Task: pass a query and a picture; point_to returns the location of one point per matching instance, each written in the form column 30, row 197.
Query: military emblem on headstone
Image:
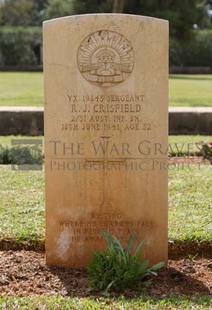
column 105, row 58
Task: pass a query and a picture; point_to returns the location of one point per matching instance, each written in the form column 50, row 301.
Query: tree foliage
column 19, row 46
column 118, row 6
column 182, row 15
column 92, row 6
column 21, row 12
column 58, row 8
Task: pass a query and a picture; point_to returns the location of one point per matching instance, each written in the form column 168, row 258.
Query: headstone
column 106, row 132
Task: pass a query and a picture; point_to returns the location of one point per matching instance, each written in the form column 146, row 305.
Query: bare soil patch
column 24, row 273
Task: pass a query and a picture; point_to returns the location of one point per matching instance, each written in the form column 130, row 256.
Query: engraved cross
column 105, row 200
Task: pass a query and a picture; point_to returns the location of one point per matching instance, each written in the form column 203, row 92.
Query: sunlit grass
column 21, row 89
column 190, row 203
column 26, row 89
column 105, row 303
column 190, row 90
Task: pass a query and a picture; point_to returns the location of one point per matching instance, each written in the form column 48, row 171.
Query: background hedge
column 196, row 52
column 21, row 47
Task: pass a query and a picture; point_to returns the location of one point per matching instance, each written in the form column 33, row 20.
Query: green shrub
column 206, row 149
column 196, row 52
column 19, row 46
column 4, row 155
column 116, row 268
column 19, row 156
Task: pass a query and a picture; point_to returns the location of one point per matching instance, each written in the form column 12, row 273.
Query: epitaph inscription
column 105, row 58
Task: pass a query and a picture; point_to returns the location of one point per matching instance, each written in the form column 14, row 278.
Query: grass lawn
column 26, row 89
column 190, row 203
column 75, row 303
column 21, row 89
column 22, row 219
column 190, row 90
column 6, row 140
column 190, row 200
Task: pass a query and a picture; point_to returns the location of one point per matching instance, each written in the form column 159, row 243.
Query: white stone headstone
column 106, row 133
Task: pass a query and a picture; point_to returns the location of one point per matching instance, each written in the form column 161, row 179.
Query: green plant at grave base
column 116, row 268
column 19, row 156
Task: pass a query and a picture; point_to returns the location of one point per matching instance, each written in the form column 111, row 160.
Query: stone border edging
column 190, row 121
column 190, row 70
column 30, row 121
column 21, row 121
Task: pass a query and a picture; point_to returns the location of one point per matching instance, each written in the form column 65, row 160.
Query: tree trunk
column 118, row 6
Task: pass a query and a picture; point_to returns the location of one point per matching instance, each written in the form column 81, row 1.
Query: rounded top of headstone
column 107, row 15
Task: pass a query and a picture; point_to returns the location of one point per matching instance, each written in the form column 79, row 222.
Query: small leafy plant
column 206, row 150
column 116, row 268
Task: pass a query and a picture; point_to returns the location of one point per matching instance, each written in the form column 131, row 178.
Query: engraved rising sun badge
column 105, row 58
